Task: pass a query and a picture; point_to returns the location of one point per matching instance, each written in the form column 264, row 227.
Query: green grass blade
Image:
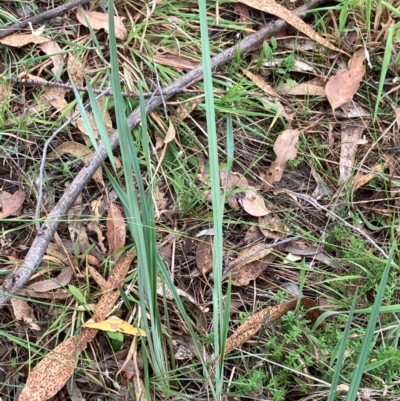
column 340, row 358
column 139, row 215
column 217, row 203
column 385, row 66
column 100, row 124
column 360, row 366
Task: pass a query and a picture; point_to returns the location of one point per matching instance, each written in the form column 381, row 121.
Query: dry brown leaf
column 116, row 230
column 178, row 62
column 248, row 255
column 75, row 69
column 80, row 151
column 271, row 7
column 11, row 204
column 93, row 226
column 52, row 372
column 23, row 312
column 98, row 278
column 285, row 149
column 204, row 255
column 53, row 49
column 55, row 96
column 350, row 139
column 73, row 148
column 341, row 87
column 52, row 284
column 253, row 204
column 99, row 20
column 20, row 40
column 171, row 133
column 272, row 227
column 302, row 89
column 360, row 179
column 242, row 277
column 252, row 235
column 266, row 317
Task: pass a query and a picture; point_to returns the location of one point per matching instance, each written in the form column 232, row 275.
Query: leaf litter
column 271, row 216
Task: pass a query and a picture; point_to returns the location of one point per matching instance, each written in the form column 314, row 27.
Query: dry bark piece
column 11, row 204
column 350, row 139
column 266, row 317
column 285, row 149
column 116, row 230
column 341, row 87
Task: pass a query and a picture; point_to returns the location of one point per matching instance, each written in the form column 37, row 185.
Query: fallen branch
column 37, row 19
column 17, row 279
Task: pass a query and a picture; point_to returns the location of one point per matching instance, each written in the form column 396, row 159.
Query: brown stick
column 23, row 273
column 37, row 19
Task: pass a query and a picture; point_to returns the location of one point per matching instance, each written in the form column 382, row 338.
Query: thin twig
column 17, row 279
column 37, row 19
column 59, row 85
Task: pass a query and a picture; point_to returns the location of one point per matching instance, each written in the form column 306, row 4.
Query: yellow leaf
column 115, row 324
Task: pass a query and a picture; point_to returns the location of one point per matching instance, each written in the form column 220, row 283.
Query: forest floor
column 256, row 210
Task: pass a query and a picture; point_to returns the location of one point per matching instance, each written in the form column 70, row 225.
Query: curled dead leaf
column 285, row 150
column 253, row 204
column 53, row 49
column 11, row 204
